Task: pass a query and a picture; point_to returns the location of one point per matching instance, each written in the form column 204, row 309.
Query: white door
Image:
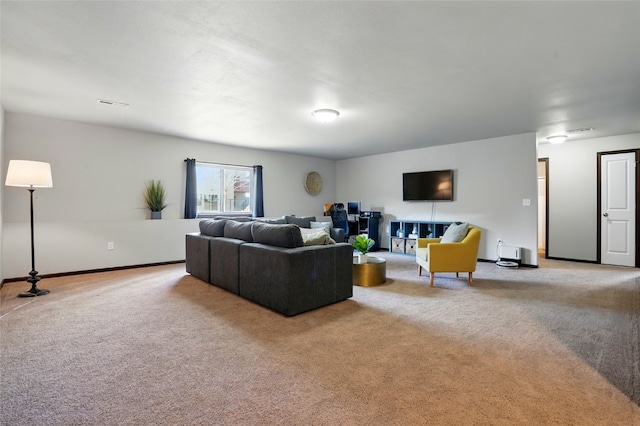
column 618, row 193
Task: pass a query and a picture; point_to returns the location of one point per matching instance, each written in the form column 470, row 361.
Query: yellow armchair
column 435, row 256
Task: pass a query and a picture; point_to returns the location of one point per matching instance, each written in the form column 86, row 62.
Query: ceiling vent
column 584, row 129
column 112, row 103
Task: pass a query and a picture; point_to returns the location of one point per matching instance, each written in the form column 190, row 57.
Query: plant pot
column 362, row 258
column 156, row 215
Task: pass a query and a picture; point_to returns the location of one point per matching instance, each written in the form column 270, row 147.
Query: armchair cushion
column 455, row 233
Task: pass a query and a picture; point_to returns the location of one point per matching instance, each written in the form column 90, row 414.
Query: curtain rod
column 220, row 164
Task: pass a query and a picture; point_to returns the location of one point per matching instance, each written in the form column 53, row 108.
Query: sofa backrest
column 278, row 235
column 238, row 230
column 212, row 228
column 301, row 221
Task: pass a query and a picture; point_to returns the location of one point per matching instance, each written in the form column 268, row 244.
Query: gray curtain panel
column 257, row 203
column 190, row 197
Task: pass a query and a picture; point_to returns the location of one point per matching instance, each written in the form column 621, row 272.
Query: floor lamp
column 30, row 175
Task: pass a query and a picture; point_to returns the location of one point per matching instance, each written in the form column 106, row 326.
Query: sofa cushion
column 302, row 221
column 287, row 236
column 213, row 228
column 238, row 230
column 317, row 237
column 455, row 233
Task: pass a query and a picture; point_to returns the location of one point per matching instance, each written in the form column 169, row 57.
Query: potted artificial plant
column 363, row 244
column 155, row 197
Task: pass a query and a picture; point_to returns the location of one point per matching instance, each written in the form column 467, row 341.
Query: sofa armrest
column 424, row 242
column 296, row 280
column 197, row 255
column 337, row 234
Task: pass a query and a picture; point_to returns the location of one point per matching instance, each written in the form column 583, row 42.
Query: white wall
column 573, row 178
column 98, row 177
column 491, row 178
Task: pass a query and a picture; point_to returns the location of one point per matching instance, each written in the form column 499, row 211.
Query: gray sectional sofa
column 269, row 264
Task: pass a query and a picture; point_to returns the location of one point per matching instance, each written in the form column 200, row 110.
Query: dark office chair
column 339, row 218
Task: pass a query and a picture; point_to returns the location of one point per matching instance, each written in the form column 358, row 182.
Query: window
column 223, row 189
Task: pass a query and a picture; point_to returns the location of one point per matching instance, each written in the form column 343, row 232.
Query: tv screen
column 436, row 185
column 353, row 207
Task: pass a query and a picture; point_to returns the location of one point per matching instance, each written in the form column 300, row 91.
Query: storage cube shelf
column 400, row 230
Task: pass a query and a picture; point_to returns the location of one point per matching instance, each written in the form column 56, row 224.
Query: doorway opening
column 543, row 207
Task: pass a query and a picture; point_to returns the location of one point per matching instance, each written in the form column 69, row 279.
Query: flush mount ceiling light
column 557, row 138
column 325, row 115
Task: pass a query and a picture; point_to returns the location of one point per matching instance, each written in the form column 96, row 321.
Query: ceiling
column 403, row 75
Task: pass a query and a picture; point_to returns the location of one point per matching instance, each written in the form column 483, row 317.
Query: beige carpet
column 557, row 345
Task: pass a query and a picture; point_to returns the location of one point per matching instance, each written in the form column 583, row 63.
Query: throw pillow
column 455, row 233
column 238, row 230
column 322, row 225
column 302, row 221
column 317, row 238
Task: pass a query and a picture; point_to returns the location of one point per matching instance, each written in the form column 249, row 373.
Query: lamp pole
column 34, row 291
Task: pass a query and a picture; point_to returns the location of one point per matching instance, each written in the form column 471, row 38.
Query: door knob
column 605, row 214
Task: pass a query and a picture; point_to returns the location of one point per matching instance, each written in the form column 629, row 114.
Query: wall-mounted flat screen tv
column 435, row 185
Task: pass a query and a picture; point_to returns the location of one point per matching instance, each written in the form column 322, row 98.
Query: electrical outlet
column 526, row 202
column 110, row 245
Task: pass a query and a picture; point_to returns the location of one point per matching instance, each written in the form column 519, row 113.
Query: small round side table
column 370, row 274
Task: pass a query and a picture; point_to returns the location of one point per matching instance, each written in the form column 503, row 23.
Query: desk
column 370, row 274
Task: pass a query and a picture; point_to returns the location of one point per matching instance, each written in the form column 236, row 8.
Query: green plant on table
column 363, row 243
column 155, row 195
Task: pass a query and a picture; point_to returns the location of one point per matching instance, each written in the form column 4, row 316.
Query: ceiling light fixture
column 557, row 138
column 325, row 115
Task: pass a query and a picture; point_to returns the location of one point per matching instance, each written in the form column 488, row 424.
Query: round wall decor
column 313, row 183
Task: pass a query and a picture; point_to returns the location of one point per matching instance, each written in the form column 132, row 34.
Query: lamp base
column 34, row 290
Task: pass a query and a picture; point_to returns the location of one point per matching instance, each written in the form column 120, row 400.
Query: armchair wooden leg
column 471, row 279
column 457, row 274
column 431, row 279
column 419, row 270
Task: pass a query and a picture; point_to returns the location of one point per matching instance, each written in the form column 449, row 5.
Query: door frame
column 545, row 160
column 599, row 202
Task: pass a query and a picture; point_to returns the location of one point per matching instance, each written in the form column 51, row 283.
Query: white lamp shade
column 29, row 174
